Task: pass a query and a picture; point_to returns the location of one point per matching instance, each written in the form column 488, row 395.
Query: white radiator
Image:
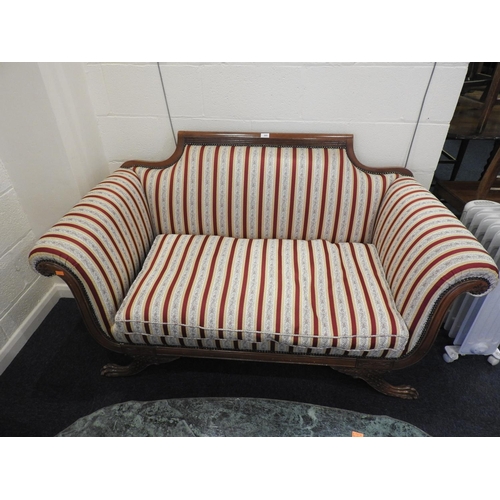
column 474, row 322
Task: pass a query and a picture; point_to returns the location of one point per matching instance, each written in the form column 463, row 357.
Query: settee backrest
column 261, row 191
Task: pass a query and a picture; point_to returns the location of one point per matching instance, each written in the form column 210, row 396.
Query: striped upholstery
column 265, row 192
column 425, row 251
column 263, row 248
column 103, row 241
column 269, row 295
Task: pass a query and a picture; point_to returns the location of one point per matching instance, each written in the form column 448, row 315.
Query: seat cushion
column 262, row 294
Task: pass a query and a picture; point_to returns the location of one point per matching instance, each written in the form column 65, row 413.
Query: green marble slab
column 233, row 417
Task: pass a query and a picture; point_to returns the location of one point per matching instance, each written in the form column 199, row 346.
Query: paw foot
column 136, row 366
column 375, row 380
column 400, row 391
column 114, row 370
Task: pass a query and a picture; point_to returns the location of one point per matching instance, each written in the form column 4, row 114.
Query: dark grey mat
column 55, row 380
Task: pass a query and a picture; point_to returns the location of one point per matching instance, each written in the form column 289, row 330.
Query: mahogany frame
column 368, row 369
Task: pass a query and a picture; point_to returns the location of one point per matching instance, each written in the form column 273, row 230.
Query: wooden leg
column 489, row 175
column 494, row 149
column 375, row 380
column 137, row 365
column 460, row 156
column 490, row 100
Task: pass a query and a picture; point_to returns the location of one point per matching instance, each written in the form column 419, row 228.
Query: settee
column 269, row 247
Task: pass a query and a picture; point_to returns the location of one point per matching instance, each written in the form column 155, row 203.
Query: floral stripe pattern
column 425, row 251
column 267, row 294
column 273, row 249
column 265, row 192
column 103, row 241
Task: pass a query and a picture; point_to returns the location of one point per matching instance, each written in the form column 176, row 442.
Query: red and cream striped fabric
column 264, row 294
column 425, row 250
column 265, row 192
column 103, row 241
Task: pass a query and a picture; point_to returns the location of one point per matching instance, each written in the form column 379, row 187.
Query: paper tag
column 264, row 134
column 59, row 273
column 357, row 434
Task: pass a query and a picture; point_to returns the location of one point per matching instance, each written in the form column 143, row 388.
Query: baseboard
column 31, row 323
column 63, row 290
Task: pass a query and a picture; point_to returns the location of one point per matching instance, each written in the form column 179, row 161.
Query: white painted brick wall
column 131, row 113
column 15, row 274
column 49, row 139
column 249, row 92
column 140, row 80
column 22, row 308
column 50, row 156
column 20, row 286
column 5, row 183
column 13, row 223
column 378, row 102
column 135, row 137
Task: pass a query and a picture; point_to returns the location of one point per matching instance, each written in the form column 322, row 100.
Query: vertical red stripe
column 353, row 204
column 323, row 194
column 279, row 290
column 297, row 292
column 244, row 211
column 200, row 181
column 260, row 194
column 208, row 284
column 369, row 303
column 277, row 193
column 292, row 193
column 168, row 295
column 156, row 199
column 330, row 291
column 152, row 216
column 260, row 300
column 186, row 180
column 225, row 288
column 350, row 301
column 368, row 207
column 340, row 187
column 189, row 288
column 215, row 191
column 385, row 297
column 312, row 274
column 152, row 291
column 243, row 290
column 308, row 169
column 230, row 231
column 155, row 215
column 171, row 214
column 383, row 192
